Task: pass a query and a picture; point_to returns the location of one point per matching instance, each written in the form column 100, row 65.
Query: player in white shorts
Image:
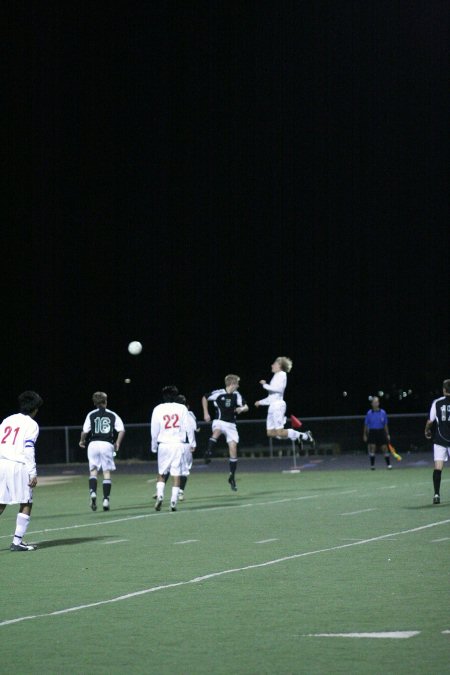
column 100, row 427
column 438, row 429
column 228, row 403
column 188, row 449
column 18, row 474
column 276, row 414
column 169, row 430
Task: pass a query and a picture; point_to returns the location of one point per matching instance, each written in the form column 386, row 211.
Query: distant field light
column 127, row 380
column 344, row 394
column 381, row 393
column 370, row 398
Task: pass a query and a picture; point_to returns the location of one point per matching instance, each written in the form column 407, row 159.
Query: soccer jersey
column 18, row 434
column 225, row 404
column 170, row 424
column 102, row 423
column 440, row 414
column 276, row 388
column 376, row 419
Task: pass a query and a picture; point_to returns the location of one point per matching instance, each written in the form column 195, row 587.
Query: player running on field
column 276, row 414
column 170, row 428
column 438, row 428
column 18, row 474
column 228, row 403
column 101, row 425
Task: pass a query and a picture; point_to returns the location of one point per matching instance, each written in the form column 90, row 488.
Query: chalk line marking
column 355, row 513
column 387, row 487
column 116, row 541
column 435, row 541
column 187, row 541
column 104, row 523
column 265, row 541
column 396, row 634
column 216, row 575
column 446, row 632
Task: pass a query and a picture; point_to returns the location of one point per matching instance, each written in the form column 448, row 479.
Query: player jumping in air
column 276, row 414
column 228, row 403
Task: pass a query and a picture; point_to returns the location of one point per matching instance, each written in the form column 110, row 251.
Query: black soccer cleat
column 173, row 506
column 207, row 457
column 93, row 502
column 158, row 504
column 232, row 482
column 22, row 547
column 436, row 499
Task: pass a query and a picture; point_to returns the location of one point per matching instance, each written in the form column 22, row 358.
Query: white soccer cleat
column 181, row 496
column 106, row 504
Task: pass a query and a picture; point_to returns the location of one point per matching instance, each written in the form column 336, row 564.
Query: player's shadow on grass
column 430, row 507
column 72, row 541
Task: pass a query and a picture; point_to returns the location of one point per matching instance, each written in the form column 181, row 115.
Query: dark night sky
column 225, row 182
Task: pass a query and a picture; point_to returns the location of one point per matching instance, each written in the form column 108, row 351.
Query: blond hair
column 285, row 363
column 231, row 379
column 99, row 398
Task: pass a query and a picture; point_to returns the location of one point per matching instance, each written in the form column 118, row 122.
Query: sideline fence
column 333, row 435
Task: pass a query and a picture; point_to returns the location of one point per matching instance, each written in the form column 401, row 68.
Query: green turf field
column 271, row 579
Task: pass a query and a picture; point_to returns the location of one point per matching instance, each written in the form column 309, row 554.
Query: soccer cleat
column 309, row 437
column 106, row 504
column 389, row 466
column 158, row 504
column 22, row 547
column 372, row 468
column 173, row 506
column 436, row 499
column 295, row 422
column 207, row 456
column 93, row 503
column 181, row 495
column 232, row 482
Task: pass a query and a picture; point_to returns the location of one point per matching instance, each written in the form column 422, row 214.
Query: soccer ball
column 135, row 347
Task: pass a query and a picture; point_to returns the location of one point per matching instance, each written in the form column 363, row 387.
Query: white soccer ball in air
column 135, row 347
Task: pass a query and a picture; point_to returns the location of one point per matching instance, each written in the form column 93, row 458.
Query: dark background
column 225, row 182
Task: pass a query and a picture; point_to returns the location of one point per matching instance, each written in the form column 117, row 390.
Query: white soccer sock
column 293, row 435
column 160, row 485
column 22, row 521
column 175, row 492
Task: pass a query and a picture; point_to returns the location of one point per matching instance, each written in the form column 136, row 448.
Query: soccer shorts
column 276, row 415
column 377, row 437
column 101, row 456
column 227, row 428
column 14, row 479
column 441, row 453
column 171, row 459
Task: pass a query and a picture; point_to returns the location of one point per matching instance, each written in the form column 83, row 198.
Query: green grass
column 252, row 617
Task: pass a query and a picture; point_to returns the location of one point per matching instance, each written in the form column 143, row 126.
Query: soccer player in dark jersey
column 376, row 433
column 228, row 403
column 105, row 430
column 438, row 429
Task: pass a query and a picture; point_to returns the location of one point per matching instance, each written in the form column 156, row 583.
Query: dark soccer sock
column 183, row 481
column 372, row 460
column 212, row 442
column 437, row 473
column 166, row 477
column 233, row 466
column 92, row 484
column 387, row 459
column 106, row 489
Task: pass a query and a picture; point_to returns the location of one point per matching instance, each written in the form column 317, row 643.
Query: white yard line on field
column 355, row 513
column 221, row 573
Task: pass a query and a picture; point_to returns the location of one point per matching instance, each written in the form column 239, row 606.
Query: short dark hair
column 169, row 393
column 181, row 399
column 29, row 401
column 446, row 386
